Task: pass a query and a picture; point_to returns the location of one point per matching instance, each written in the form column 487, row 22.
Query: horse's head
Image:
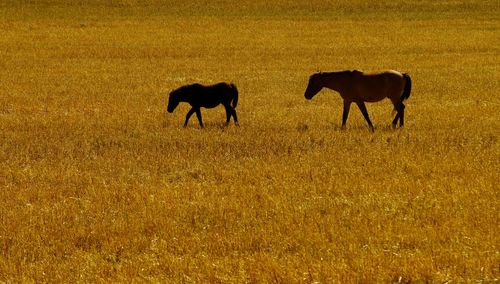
column 314, row 86
column 173, row 101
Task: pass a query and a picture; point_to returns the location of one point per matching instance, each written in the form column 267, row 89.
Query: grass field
column 99, row 183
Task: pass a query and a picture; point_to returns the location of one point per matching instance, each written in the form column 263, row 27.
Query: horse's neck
column 185, row 96
column 335, row 81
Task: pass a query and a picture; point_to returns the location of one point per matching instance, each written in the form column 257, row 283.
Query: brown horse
column 358, row 87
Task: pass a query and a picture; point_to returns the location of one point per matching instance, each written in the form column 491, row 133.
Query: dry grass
column 98, row 183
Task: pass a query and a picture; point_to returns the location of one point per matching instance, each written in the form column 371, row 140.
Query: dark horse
column 198, row 96
column 358, row 87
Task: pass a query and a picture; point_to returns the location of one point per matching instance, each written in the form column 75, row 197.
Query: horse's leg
column 362, row 107
column 235, row 117
column 188, row 115
column 402, row 115
column 395, row 121
column 397, row 107
column 198, row 115
column 345, row 114
column 228, row 113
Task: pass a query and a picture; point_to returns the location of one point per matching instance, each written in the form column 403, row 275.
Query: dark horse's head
column 315, row 85
column 173, row 100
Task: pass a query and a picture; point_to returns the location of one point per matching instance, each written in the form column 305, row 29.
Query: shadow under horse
column 199, row 96
column 357, row 87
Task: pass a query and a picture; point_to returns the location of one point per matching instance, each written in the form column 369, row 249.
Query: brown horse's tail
column 235, row 95
column 407, row 90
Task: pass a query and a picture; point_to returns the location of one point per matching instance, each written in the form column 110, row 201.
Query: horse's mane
column 336, row 73
column 185, row 88
column 345, row 72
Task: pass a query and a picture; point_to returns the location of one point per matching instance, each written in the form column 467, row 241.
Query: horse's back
column 373, row 87
column 222, row 90
column 210, row 96
column 395, row 84
column 384, row 75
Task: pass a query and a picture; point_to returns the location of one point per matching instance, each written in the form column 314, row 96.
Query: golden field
column 99, row 184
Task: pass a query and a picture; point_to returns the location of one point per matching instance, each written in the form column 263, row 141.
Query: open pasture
column 99, row 183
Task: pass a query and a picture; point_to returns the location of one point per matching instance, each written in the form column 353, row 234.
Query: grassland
column 98, row 183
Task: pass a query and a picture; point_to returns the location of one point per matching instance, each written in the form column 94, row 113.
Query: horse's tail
column 407, row 90
column 235, row 95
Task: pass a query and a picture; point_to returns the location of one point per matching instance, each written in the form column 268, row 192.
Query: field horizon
column 100, row 184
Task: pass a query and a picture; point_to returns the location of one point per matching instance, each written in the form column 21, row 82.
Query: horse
column 358, row 87
column 198, row 96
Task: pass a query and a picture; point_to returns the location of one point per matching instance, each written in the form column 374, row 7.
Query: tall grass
column 98, row 183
